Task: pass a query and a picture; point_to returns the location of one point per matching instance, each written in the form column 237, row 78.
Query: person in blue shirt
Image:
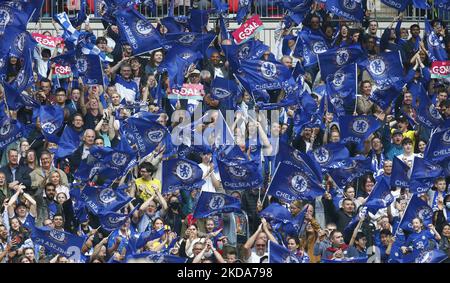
column 419, row 240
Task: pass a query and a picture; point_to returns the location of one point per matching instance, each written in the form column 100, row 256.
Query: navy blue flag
column 435, row 44
column 51, row 118
column 439, row 146
column 399, row 176
column 213, row 203
column 276, row 213
column 67, row 143
column 10, row 131
column 329, row 154
column 336, row 58
column 153, row 257
column 292, row 182
column 16, row 99
column 148, row 236
column 59, row 242
column 188, row 40
column 443, row 5
column 280, row 254
column 423, row 174
column 66, row 59
column 30, row 8
column 111, row 220
column 309, row 45
column 362, row 213
column 18, row 42
column 399, row 5
column 81, row 15
column 386, row 70
column 222, row 89
column 353, row 168
column 24, row 78
column 90, row 68
column 258, row 75
column 349, row 9
column 244, row 7
column 172, row 25
column 341, row 88
column 287, row 154
column 417, row 208
column 103, row 199
column 356, row 129
column 13, row 16
column 198, row 20
column 116, row 162
column 240, row 174
column 219, row 6
column 433, row 256
column 427, row 114
column 180, row 173
column 345, row 260
column 144, row 133
column 88, row 169
column 384, row 98
column 250, row 50
column 380, row 197
column 137, row 31
column 445, row 164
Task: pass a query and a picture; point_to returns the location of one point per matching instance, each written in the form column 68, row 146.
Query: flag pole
column 274, row 174
column 356, row 87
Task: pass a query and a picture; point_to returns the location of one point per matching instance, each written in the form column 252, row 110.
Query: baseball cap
column 402, row 119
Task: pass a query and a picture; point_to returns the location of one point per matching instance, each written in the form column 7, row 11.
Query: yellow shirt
column 148, row 185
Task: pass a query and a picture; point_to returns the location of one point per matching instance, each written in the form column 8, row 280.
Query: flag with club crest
column 334, row 59
column 212, row 203
column 349, row 9
column 356, row 129
column 180, row 173
column 439, row 146
column 386, row 70
column 399, row 175
column 423, row 174
column 417, row 208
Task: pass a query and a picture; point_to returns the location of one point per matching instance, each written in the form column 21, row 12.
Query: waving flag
column 70, row 33
column 384, row 98
column 258, row 75
column 275, row 212
column 198, row 20
column 88, row 169
column 336, row 58
column 362, row 213
column 399, row 5
column 386, row 70
column 180, row 174
column 380, row 197
column 213, row 203
column 59, row 242
column 439, row 146
column 250, row 50
column 292, row 182
column 309, row 45
column 399, row 176
column 51, row 118
column 435, row 44
column 111, row 221
column 18, row 43
column 416, row 208
column 147, row 236
column 427, row 114
column 345, row 260
column 103, row 199
column 24, row 78
column 442, row 4
column 244, row 8
column 239, row 174
column 144, row 133
column 341, row 88
column 81, row 15
column 220, row 6
column 329, row 154
column 280, row 254
column 138, row 31
column 356, row 129
column 354, row 168
column 12, row 17
column 423, row 175
column 29, row 8
column 90, row 68
column 433, row 256
column 10, row 131
column 223, row 89
column 172, row 25
column 349, row 9
column 67, row 143
column 153, row 257
column 188, row 40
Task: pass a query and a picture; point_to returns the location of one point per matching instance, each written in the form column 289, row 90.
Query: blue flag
column 103, row 199
column 341, row 89
column 188, row 40
column 198, row 20
column 416, row 208
column 362, row 213
column 427, row 114
column 336, row 58
column 384, row 98
column 439, row 146
column 292, row 182
column 435, row 45
column 309, row 45
column 250, row 50
column 423, row 175
column 24, row 78
column 239, row 174
column 180, row 174
column 213, row 203
column 144, row 133
column 399, row 176
column 90, row 68
column 354, row 168
column 349, row 9
column 244, row 8
column 81, row 15
column 380, row 197
column 88, row 169
column 386, row 70
column 443, row 5
column 153, row 257
column 147, row 236
column 59, row 242
column 276, row 213
column 345, row 260
column 137, row 31
column 280, row 254
column 257, row 75
column 222, row 89
column 51, row 118
column 220, row 6
column 329, row 154
column 67, row 143
column 172, row 25
column 399, row 5
column 12, row 16
column 111, row 221
column 356, row 129
column 433, row 256
column 10, row 131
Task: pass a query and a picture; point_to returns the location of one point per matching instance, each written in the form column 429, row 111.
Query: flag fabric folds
column 212, row 203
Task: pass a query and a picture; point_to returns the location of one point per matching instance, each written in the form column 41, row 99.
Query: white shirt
column 254, row 258
column 208, row 186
